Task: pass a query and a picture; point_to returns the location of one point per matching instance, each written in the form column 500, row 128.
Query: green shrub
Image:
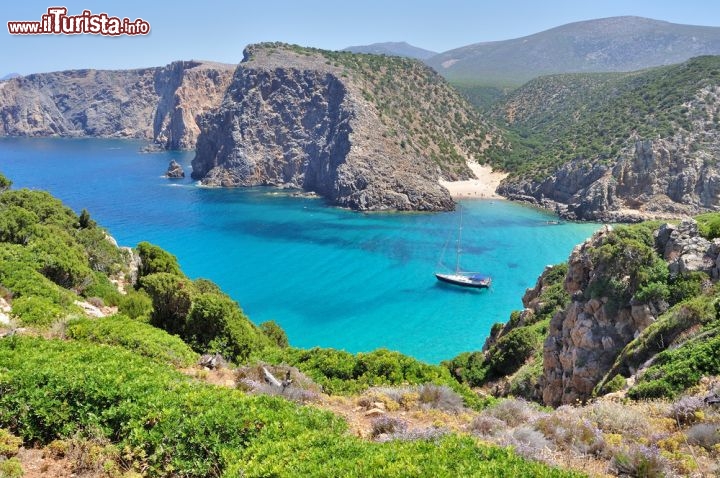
column 16, row 224
column 135, row 336
column 216, row 324
column 469, row 368
column 171, row 297
column 136, row 305
column 709, row 225
column 61, row 259
column 9, row 444
column 5, row 183
column 102, row 254
column 37, row 311
column 154, row 259
column 511, row 351
column 11, row 468
column 84, row 220
column 100, row 286
column 275, row 333
column 207, row 286
column 687, row 286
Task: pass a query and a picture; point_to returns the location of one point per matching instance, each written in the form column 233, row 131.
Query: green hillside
column 556, row 119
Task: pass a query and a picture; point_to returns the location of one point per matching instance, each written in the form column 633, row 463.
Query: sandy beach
column 481, row 188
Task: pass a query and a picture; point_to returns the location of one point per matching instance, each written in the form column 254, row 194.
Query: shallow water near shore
column 330, row 277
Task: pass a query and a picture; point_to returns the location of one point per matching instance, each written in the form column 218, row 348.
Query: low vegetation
column 515, row 348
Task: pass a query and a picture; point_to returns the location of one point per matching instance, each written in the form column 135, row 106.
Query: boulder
column 174, row 170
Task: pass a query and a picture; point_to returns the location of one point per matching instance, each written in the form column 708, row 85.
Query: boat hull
column 464, row 281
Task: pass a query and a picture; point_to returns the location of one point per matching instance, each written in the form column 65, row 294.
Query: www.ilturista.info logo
column 57, row 22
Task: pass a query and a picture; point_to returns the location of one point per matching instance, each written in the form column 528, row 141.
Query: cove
column 329, row 277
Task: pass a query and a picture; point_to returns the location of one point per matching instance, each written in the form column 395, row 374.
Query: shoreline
column 481, row 188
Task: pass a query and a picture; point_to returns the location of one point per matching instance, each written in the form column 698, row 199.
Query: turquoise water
column 330, row 277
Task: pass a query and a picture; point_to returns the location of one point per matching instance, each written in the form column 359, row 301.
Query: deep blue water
column 330, row 277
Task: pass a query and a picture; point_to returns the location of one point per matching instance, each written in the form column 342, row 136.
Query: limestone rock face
column 175, row 170
column 294, row 120
column 158, row 104
column 659, row 178
column 586, row 338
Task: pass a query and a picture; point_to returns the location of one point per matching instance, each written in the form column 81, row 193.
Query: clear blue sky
column 219, row 30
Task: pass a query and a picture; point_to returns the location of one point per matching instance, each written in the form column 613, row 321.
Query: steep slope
column 364, row 131
column 616, row 146
column 403, row 49
column 609, row 44
column 158, row 104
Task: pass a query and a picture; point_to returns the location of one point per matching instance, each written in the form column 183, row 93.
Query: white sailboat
column 463, row 278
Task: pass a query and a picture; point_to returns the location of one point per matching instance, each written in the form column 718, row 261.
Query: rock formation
column 296, row 120
column 585, row 340
column 659, row 178
column 175, row 170
column 158, row 104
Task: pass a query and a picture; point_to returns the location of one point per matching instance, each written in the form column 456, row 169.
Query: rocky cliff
column 606, row 330
column 606, row 321
column 668, row 177
column 158, row 104
column 365, row 132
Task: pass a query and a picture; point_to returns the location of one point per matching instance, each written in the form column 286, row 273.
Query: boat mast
column 459, row 243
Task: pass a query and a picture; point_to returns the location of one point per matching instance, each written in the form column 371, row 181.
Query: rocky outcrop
column 294, row 120
column 686, row 251
column 586, row 338
column 186, row 91
column 653, row 179
column 157, row 104
column 174, row 170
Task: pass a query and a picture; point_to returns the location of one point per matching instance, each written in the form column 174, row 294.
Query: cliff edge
column 363, row 131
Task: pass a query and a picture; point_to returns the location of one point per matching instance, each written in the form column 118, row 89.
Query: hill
column 602, row 45
column 403, row 49
column 616, row 146
column 367, row 132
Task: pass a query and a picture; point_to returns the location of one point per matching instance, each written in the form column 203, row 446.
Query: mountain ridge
column 623, row 43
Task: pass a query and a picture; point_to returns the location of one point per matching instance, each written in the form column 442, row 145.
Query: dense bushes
column 216, row 324
column 209, row 321
column 154, row 259
column 167, row 425
column 675, row 370
column 46, row 258
column 340, row 372
column 135, row 336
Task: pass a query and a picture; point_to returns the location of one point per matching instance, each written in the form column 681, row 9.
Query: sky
column 219, row 30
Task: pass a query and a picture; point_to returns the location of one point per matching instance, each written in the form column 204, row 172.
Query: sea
column 330, row 277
